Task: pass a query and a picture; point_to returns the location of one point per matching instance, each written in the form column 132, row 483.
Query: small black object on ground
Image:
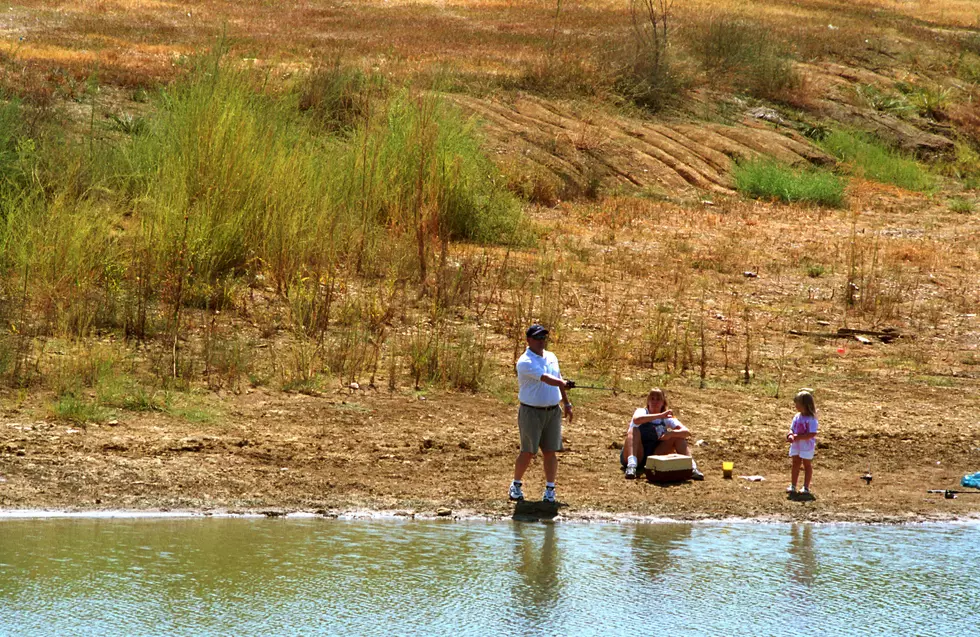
column 949, row 494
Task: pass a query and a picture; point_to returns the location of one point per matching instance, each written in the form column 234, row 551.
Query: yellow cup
column 727, row 468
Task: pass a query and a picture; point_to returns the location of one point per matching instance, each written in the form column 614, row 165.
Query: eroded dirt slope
column 586, row 148
column 593, row 149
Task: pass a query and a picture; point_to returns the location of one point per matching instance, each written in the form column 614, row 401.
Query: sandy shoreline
column 383, row 455
column 582, row 517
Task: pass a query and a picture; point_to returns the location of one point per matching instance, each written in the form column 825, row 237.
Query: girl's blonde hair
column 805, row 400
column 656, row 391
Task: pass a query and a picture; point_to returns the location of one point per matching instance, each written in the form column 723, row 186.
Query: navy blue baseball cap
column 536, row 331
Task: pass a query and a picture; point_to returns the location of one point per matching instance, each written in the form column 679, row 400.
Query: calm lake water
column 329, row 577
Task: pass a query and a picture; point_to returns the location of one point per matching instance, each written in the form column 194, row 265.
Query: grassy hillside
column 225, row 195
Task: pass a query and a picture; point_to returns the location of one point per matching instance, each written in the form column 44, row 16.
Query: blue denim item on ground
column 972, row 480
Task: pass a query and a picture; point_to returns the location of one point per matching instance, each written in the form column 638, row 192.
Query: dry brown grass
column 961, row 13
column 966, row 117
column 480, row 43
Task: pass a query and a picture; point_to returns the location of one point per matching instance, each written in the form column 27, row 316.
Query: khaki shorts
column 540, row 428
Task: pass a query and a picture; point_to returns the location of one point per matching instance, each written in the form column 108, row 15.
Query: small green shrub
column 961, row 205
column 815, row 270
column 727, row 43
column 650, row 77
column 605, row 351
column 898, row 104
column 126, row 123
column 77, row 410
column 126, row 392
column 767, row 179
column 199, row 415
column 455, row 358
column 816, row 131
column 143, row 400
column 421, row 167
column 774, row 78
column 467, row 360
column 968, row 67
column 927, row 100
column 871, row 159
column 964, row 166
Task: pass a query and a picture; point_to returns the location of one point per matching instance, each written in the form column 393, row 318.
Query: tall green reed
column 231, row 181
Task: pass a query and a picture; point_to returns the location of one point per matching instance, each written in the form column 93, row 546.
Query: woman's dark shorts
column 650, row 434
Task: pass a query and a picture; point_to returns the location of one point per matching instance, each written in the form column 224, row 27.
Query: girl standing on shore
column 802, row 438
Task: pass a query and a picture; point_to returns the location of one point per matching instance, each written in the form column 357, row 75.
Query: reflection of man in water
column 652, row 544
column 537, row 591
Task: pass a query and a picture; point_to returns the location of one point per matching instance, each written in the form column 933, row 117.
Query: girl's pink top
column 803, row 425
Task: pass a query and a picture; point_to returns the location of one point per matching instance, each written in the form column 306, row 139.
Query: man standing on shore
column 541, row 392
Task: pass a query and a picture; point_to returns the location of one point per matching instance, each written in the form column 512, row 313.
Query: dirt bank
column 375, row 450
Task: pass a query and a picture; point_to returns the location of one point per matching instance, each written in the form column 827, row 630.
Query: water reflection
column 803, row 561
column 652, row 545
column 536, row 593
column 208, row 578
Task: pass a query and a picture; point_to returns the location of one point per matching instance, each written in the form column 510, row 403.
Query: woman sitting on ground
column 654, row 431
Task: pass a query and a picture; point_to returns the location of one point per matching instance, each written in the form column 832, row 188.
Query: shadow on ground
column 651, row 478
column 801, row 497
column 525, row 511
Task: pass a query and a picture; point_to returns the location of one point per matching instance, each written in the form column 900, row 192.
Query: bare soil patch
column 352, row 450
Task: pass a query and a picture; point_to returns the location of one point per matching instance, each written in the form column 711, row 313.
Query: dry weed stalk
column 651, row 19
column 747, row 372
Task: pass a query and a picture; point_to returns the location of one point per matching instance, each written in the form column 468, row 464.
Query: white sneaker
column 805, row 491
column 549, row 495
column 515, row 492
column 791, row 488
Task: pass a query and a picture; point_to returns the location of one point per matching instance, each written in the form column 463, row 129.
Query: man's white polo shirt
column 531, row 391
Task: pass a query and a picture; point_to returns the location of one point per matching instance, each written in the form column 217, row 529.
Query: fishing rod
column 949, row 494
column 571, row 384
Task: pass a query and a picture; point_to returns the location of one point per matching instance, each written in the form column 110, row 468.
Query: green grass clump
column 815, row 270
column 768, row 179
column 873, row 160
column 421, row 167
column 961, row 205
column 78, row 410
column 964, row 166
